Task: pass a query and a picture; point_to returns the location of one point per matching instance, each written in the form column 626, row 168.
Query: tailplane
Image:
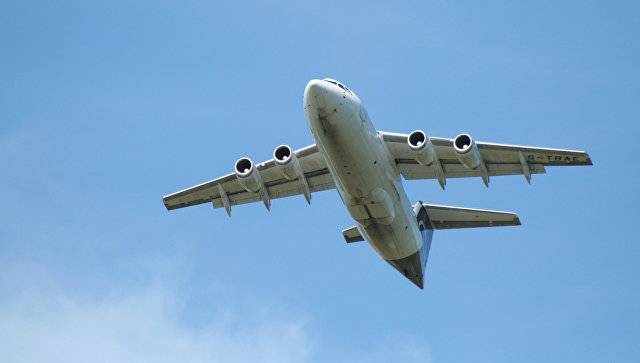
column 446, row 217
column 431, row 217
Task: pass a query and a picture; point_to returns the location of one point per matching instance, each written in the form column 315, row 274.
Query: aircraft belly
column 393, row 241
column 369, row 186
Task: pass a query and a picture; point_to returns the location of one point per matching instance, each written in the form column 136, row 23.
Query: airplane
column 366, row 166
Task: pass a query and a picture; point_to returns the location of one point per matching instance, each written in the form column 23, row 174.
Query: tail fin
column 426, row 230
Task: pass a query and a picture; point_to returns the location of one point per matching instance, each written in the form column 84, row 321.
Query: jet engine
column 247, row 175
column 421, row 147
column 467, row 151
column 287, row 161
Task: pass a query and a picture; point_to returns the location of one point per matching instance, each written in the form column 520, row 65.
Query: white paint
column 362, row 168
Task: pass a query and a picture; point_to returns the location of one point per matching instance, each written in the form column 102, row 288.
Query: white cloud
column 148, row 326
column 143, row 327
column 399, row 347
column 160, row 321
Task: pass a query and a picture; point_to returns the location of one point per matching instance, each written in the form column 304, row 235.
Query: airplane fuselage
column 365, row 174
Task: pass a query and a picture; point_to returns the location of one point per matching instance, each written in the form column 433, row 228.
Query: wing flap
column 279, row 189
column 412, row 170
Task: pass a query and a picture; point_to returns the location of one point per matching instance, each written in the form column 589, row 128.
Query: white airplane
column 365, row 166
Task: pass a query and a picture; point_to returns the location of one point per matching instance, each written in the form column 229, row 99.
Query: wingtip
column 170, row 206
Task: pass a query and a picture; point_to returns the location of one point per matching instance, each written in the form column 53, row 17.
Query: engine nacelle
column 421, row 147
column 248, row 177
column 287, row 161
column 467, row 151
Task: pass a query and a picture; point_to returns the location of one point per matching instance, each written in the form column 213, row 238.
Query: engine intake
column 287, row 161
column 467, row 151
column 248, row 176
column 244, row 167
column 282, row 154
column 421, row 147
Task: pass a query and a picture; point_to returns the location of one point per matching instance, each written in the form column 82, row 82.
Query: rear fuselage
column 364, row 173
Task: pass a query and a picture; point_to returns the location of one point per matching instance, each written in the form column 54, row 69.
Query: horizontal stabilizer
column 352, row 235
column 446, row 217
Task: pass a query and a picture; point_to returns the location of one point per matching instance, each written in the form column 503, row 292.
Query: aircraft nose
column 322, row 95
column 314, row 86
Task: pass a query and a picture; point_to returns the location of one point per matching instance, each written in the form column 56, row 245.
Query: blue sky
column 107, row 106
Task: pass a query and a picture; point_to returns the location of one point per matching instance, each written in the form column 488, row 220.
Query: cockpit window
column 345, row 88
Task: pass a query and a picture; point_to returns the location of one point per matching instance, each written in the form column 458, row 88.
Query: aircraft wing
column 498, row 159
column 226, row 191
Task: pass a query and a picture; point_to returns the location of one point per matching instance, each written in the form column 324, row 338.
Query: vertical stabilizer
column 413, row 267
